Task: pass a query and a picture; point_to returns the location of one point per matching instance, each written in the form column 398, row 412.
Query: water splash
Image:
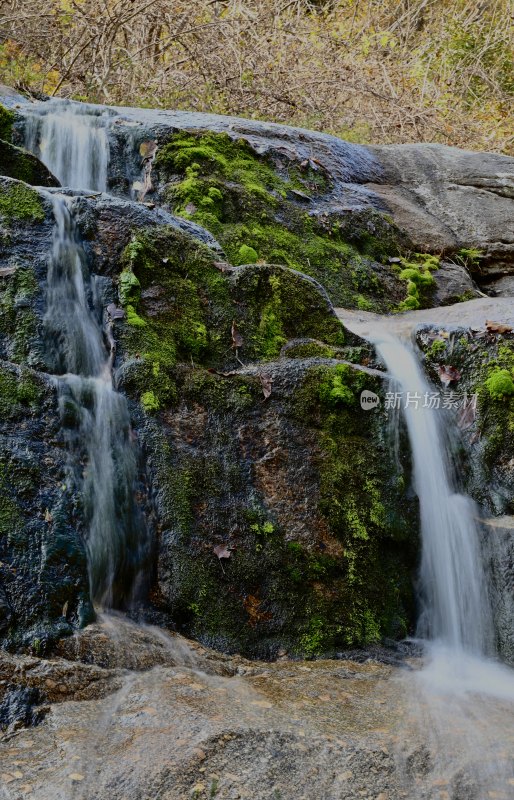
column 95, row 417
column 71, row 140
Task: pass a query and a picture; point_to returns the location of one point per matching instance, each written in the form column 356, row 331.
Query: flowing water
column 80, row 352
column 461, row 701
column 71, row 140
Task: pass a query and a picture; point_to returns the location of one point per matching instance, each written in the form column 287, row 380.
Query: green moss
column 249, row 205
column 20, row 202
column 361, row 501
column 469, row 257
column 133, row 317
column 499, row 384
column 436, row 350
column 310, row 350
column 233, row 159
column 18, row 322
column 6, row 123
column 247, row 255
column 19, row 392
column 150, row 402
column 182, row 308
column 339, row 385
column 417, row 273
column 15, row 162
column 313, row 640
column 129, row 288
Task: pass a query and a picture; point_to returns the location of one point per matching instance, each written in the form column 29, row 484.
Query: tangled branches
column 368, row 70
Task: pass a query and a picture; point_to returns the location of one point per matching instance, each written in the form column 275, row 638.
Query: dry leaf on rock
column 222, row 551
column 237, row 339
column 497, row 327
column 449, row 374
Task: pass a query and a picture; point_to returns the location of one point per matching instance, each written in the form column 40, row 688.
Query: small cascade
column 96, row 418
column 456, row 608
column 72, row 141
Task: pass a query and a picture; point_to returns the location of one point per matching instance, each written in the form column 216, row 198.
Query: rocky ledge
column 282, row 518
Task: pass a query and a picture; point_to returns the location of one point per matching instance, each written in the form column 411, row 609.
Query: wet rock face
column 43, row 578
column 257, row 453
column 281, row 518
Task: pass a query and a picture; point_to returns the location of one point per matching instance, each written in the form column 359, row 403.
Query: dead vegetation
column 368, row 70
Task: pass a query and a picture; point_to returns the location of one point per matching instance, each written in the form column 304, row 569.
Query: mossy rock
column 320, row 536
column 258, row 209
column 6, row 123
column 19, row 203
column 15, row 162
column 485, row 389
column 183, row 306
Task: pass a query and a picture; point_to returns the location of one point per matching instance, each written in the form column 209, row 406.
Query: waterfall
column 455, row 603
column 79, row 352
column 71, row 140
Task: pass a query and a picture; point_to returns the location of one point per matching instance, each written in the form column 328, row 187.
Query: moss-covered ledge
column 183, row 305
column 262, row 457
column 279, row 210
column 15, row 162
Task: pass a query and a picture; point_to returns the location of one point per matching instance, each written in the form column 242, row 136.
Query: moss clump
column 6, row 123
column 234, row 160
column 19, row 392
column 18, row 323
column 416, row 272
column 436, row 350
column 129, row 288
column 311, row 350
column 20, row 202
column 338, row 386
column 247, row 255
column 249, row 205
column 499, row 384
column 150, row 402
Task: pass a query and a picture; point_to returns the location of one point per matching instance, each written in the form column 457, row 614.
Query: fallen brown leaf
column 497, row 327
column 237, row 339
column 147, row 149
column 448, row 374
column 252, row 605
column 467, row 414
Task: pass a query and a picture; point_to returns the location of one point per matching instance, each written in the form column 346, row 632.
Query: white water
column 455, row 603
column 71, row 140
column 456, row 620
column 96, row 417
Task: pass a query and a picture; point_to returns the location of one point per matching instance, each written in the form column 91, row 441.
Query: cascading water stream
column 71, row 140
column 96, row 417
column 456, row 608
column 456, row 619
